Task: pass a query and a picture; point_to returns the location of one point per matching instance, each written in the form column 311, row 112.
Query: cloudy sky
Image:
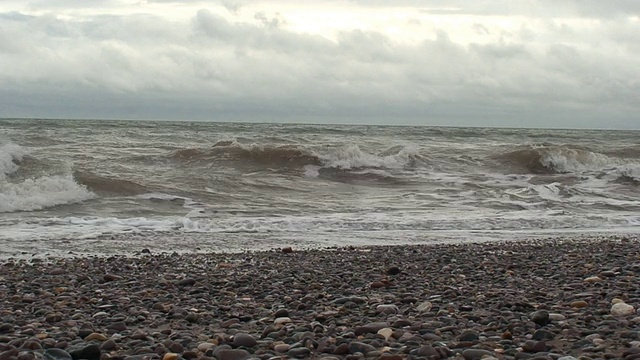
column 448, row 62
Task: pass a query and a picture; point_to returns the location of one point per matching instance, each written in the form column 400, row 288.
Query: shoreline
column 133, row 245
column 542, row 299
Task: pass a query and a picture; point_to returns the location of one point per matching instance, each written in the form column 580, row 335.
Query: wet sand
column 541, row 299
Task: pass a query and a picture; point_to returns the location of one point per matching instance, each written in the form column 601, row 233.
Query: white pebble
column 622, row 309
column 386, row 332
column 424, row 307
column 282, row 321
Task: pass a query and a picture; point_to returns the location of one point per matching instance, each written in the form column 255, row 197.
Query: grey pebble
column 357, row 346
column 231, row 354
column 476, row 354
column 56, row 354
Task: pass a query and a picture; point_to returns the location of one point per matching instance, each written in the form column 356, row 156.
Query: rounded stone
column 56, row 354
column 170, row 356
column 622, row 309
column 281, row 348
column 394, row 270
column 540, row 317
column 95, row 336
column 232, row 354
column 469, row 335
column 357, row 346
column 89, row 352
column 282, row 321
column 386, row 333
column 579, row 304
column 203, row 347
column 109, row 345
column 299, row 353
column 475, row 354
column 281, row 313
column 246, row 340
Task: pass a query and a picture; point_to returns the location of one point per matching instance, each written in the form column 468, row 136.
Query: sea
column 104, row 187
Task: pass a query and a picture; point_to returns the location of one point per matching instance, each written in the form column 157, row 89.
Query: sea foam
column 10, row 156
column 35, row 193
column 40, row 193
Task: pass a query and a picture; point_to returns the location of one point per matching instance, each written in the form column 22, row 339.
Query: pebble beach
column 538, row 299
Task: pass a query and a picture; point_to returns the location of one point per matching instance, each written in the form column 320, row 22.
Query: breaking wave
column 34, row 193
column 287, row 156
column 556, row 159
column 40, row 193
column 10, row 157
column 629, row 175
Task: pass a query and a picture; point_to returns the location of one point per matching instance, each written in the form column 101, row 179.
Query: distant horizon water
column 117, row 186
column 342, row 121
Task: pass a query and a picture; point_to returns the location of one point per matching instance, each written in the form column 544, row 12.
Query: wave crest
column 287, row 156
column 10, row 157
column 40, row 193
column 555, row 159
column 26, row 193
column 284, row 155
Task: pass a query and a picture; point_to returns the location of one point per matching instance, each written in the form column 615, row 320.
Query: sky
column 526, row 63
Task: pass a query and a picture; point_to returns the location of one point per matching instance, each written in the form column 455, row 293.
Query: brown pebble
column 170, row 356
column 95, row 336
column 579, row 304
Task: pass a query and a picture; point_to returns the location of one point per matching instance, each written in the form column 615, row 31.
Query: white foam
column 567, row 160
column 40, row 193
column 312, row 171
column 352, row 157
column 630, row 170
column 9, row 154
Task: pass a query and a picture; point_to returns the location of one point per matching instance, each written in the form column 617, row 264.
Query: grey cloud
column 143, row 66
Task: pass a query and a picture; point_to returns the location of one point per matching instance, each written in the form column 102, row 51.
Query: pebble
column 360, row 347
column 281, row 348
column 541, row 317
column 370, row 328
column 89, row 352
column 579, row 304
column 299, row 353
column 386, row 333
column 203, row 347
column 189, row 307
column 56, row 354
column 232, row 354
column 109, row 345
column 246, row 340
column 622, row 309
column 95, row 336
column 394, row 270
column 281, row 313
column 424, row 306
column 475, row 354
column 469, row 336
column 170, row 356
column 387, row 309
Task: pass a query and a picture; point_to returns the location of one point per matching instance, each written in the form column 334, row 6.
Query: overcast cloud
column 481, row 63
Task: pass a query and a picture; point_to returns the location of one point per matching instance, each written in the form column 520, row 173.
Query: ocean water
column 106, row 187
